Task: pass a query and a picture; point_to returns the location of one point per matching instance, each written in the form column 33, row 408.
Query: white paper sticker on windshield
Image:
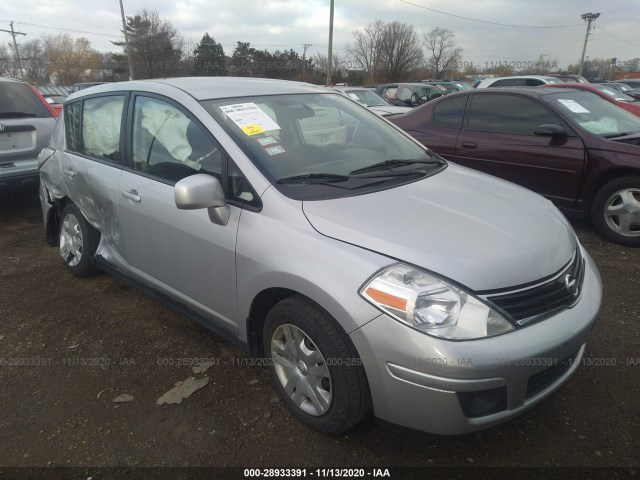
column 353, row 96
column 608, row 92
column 250, row 118
column 574, row 106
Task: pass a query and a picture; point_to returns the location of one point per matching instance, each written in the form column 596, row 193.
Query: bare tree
column 400, row 51
column 6, row 61
column 35, row 60
column 72, row 60
column 365, row 49
column 387, row 51
column 443, row 55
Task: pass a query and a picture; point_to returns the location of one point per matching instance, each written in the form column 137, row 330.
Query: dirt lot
column 88, row 341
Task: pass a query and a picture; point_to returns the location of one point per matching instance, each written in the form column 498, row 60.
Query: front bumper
column 456, row 387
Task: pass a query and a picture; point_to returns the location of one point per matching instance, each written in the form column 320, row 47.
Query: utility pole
column 304, row 58
column 126, row 42
column 15, row 46
column 589, row 17
column 330, row 57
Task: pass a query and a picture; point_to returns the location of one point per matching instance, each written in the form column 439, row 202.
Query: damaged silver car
column 372, row 275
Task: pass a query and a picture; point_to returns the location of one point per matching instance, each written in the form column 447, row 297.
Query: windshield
column 614, row 93
column 366, row 97
column 312, row 146
column 594, row 114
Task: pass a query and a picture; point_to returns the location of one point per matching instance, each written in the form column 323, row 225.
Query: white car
column 518, row 81
column 372, row 101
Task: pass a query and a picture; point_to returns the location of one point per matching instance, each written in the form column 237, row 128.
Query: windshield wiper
column 395, row 163
column 314, row 178
column 616, row 136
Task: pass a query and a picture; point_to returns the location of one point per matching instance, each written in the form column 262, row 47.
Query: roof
column 529, row 91
column 208, row 88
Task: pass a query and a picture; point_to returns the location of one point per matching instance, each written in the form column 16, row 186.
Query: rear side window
column 101, row 124
column 450, row 112
column 17, row 100
column 507, row 114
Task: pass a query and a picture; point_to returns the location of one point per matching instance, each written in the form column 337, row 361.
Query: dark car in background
column 409, row 94
column 631, row 82
column 576, row 149
column 26, row 123
column 450, row 86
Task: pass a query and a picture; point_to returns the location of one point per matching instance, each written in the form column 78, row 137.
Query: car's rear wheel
column 615, row 211
column 78, row 241
column 315, row 366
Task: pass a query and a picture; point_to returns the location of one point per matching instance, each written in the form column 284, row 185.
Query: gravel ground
column 90, row 340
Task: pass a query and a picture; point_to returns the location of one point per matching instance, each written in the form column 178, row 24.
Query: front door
column 179, row 252
column 498, row 138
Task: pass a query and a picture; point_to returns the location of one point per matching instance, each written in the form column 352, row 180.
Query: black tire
column 609, row 226
column 350, row 397
column 86, row 238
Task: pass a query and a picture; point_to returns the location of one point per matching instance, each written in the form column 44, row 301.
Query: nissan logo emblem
column 571, row 284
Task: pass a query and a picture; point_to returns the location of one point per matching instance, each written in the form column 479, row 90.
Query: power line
column 70, row 30
column 487, row 21
column 615, row 36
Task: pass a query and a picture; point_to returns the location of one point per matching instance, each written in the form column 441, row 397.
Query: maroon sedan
column 576, row 149
column 610, row 94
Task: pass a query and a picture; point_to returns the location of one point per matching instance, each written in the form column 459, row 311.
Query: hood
column 385, row 110
column 472, row 228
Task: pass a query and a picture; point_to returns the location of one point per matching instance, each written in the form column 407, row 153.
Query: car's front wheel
column 78, row 241
column 615, row 211
column 315, row 366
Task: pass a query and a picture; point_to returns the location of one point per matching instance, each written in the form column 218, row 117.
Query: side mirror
column 550, row 130
column 203, row 191
column 422, row 100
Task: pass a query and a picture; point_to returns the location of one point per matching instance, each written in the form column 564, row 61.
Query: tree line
column 382, row 51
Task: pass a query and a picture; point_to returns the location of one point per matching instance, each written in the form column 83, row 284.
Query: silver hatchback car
column 370, row 274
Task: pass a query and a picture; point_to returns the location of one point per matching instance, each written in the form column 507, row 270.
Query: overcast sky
column 284, row 24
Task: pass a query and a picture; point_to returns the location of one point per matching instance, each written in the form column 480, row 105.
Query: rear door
column 91, row 165
column 440, row 132
column 498, row 138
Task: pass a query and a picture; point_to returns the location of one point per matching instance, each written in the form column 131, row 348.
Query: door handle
column 131, row 195
column 469, row 145
column 69, row 173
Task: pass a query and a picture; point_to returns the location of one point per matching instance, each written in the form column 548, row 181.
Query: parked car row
column 370, row 273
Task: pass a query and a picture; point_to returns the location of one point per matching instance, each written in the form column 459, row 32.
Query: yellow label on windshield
column 252, row 129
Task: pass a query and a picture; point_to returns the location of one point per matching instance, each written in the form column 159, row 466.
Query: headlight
column 431, row 305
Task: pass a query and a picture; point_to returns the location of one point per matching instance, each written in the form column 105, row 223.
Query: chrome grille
column 540, row 301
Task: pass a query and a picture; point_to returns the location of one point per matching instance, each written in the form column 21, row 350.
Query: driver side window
column 169, row 145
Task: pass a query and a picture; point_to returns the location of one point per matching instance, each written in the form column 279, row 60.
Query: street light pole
column 330, row 58
column 589, row 17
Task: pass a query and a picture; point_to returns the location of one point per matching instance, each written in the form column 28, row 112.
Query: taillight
column 49, row 108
